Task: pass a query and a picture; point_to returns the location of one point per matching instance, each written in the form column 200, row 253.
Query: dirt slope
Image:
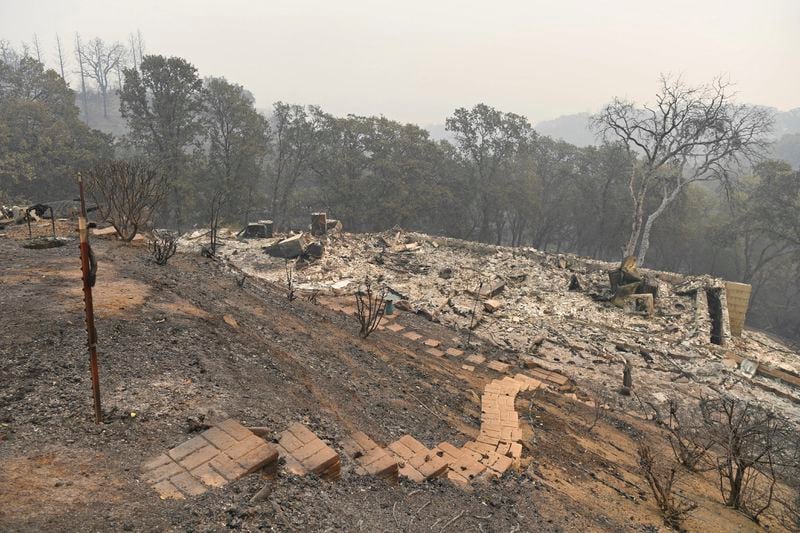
column 168, row 358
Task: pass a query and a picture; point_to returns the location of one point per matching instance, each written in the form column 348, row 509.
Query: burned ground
column 170, row 362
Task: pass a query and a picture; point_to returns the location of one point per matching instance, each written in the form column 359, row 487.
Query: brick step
column 416, row 462
column 463, row 468
column 215, row 457
column 371, row 459
column 305, row 453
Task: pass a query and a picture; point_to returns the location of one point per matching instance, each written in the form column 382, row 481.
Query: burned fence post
column 89, row 270
column 319, row 224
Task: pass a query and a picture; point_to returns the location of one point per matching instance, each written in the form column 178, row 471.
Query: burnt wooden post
column 319, row 224
column 88, row 281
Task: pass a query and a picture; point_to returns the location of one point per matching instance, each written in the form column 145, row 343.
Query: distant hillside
column 573, row 129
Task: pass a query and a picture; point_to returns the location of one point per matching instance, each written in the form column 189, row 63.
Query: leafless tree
column 691, row 134
column 37, row 48
column 370, row 306
column 162, row 246
column 78, row 56
column 126, row 194
column 754, row 445
column 661, row 480
column 100, row 60
column 60, row 57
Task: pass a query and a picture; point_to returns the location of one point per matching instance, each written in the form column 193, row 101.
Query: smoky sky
column 418, row 60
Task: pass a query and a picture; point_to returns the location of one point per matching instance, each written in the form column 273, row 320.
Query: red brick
column 258, row 458
column 182, row 450
column 289, row 441
column 198, row 457
column 457, row 478
column 321, row 460
column 420, row 459
column 515, row 450
column 412, row 444
column 218, row 438
column 395, row 327
column 383, row 467
column 243, row 447
column 433, row 343
column 468, row 368
column 371, row 456
column 234, row 429
column 476, row 359
column 558, row 379
column 308, row 450
column 487, row 439
column 434, row 352
column 401, row 450
column 163, row 472
column 498, row 366
column 364, row 441
column 188, row 484
column 292, row 465
column 433, row 468
column 411, row 335
column 451, row 450
column 155, row 462
column 229, row 468
column 407, row 471
column 503, row 448
column 302, row 433
column 168, row 491
column 499, row 463
column 209, row 476
column 454, row 352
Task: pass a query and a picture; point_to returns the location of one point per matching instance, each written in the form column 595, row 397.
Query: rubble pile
column 587, row 319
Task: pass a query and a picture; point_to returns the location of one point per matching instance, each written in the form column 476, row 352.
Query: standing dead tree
column 100, row 61
column 370, row 306
column 126, row 194
column 661, row 481
column 691, row 134
column 754, row 446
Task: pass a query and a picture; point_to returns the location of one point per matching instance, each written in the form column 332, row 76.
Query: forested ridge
column 732, row 211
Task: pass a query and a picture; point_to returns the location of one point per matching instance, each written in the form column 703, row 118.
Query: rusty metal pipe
column 91, row 332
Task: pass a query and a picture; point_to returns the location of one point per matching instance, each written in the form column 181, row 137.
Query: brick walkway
column 217, row 456
column 229, row 451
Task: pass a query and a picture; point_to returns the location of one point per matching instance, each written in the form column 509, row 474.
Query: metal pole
column 83, row 228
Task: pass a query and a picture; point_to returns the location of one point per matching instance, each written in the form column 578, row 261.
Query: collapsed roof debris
column 674, row 330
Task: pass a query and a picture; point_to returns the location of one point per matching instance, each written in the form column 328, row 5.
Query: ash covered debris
column 674, row 330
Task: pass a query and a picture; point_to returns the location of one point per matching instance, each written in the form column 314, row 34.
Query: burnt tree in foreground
column 754, row 449
column 370, row 306
column 126, row 194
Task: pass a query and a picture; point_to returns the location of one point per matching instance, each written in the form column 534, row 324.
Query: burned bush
column 370, row 306
column 162, row 246
column 662, row 480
